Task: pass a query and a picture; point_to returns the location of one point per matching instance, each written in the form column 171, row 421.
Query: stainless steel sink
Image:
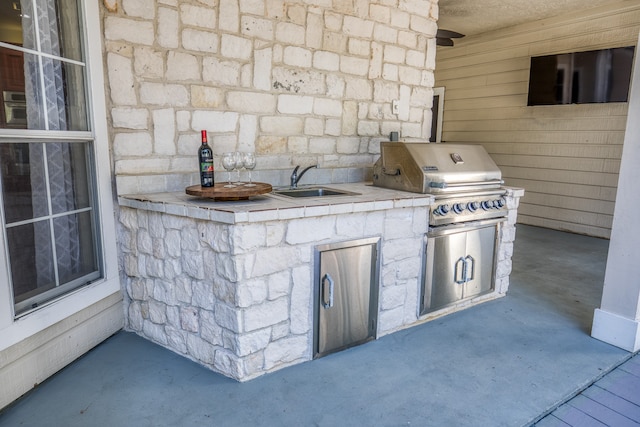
column 314, row 192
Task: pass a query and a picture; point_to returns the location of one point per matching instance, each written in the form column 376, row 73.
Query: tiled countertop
column 271, row 207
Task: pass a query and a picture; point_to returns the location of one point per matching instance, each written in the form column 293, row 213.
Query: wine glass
column 229, row 164
column 249, row 164
column 239, row 158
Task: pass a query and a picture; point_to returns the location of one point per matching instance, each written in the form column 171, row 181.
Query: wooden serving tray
column 219, row 192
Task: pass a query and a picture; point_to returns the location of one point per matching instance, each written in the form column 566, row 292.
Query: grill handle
column 469, row 261
column 434, row 184
column 460, row 273
column 327, row 304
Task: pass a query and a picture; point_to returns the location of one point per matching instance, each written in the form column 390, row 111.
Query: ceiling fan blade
column 448, row 34
column 443, row 42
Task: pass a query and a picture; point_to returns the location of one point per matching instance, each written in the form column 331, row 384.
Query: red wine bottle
column 205, row 155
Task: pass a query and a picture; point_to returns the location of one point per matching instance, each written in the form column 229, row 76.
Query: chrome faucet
column 295, row 177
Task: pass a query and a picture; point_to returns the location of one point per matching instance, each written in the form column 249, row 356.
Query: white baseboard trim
column 616, row 330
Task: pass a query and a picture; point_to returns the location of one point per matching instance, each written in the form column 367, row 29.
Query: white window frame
column 14, row 330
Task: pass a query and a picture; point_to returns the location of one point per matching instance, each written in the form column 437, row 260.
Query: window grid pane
column 30, row 247
column 57, row 249
column 48, row 64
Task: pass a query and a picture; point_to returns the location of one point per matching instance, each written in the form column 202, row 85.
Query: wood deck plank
column 616, row 403
column 575, row 417
column 632, row 366
column 614, row 400
column 601, row 412
column 622, row 384
column 551, row 421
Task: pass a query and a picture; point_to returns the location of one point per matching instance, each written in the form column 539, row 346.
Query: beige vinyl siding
column 566, row 157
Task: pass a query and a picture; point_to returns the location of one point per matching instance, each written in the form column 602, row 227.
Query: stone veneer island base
column 230, row 284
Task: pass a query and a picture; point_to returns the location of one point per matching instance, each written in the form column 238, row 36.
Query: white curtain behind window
column 45, row 91
column 603, row 73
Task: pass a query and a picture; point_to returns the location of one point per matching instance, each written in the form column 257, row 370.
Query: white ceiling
column 473, row 17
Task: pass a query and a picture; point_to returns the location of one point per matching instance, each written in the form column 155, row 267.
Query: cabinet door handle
column 459, row 273
column 325, row 303
column 469, row 265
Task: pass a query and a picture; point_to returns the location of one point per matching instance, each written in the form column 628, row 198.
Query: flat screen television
column 581, row 77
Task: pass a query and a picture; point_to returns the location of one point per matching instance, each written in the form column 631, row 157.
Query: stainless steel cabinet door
column 480, row 249
column 459, row 264
column 344, row 301
column 444, row 269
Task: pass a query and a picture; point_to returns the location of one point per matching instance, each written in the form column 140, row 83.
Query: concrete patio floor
column 506, row 362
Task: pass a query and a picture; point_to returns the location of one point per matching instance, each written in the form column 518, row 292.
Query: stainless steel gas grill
column 464, row 221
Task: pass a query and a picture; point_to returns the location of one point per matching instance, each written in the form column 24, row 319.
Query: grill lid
column 435, row 168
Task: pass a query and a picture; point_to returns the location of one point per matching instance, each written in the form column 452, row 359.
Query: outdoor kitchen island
column 230, row 284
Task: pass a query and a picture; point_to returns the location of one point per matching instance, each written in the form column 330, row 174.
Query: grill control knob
column 473, row 206
column 441, row 210
column 498, row 203
column 487, row 204
column 458, row 208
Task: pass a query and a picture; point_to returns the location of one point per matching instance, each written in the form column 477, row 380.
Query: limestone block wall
column 238, row 298
column 506, row 240
column 297, row 82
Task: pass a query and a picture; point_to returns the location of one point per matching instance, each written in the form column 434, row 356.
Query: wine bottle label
column 206, row 166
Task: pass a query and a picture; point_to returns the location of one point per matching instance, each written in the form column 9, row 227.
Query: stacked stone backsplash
column 296, row 82
column 238, row 298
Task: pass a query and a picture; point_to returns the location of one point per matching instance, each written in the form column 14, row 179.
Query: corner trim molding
column 616, row 330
